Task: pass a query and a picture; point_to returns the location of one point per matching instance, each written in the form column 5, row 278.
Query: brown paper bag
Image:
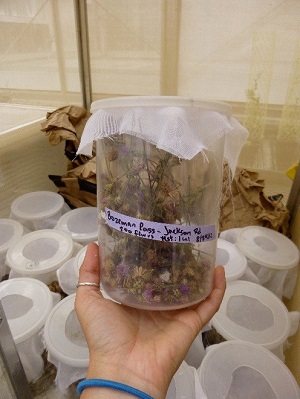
column 245, row 204
column 78, row 184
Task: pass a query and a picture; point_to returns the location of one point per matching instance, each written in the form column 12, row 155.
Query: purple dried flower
column 103, row 200
column 123, row 269
column 140, row 195
column 123, row 149
column 138, row 167
column 184, row 289
column 147, row 294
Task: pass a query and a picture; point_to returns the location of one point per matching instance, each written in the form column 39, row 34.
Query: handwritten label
column 159, row 231
column 34, row 264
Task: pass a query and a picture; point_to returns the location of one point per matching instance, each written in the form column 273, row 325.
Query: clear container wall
column 157, row 222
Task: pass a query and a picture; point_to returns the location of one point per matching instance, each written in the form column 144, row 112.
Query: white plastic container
column 234, row 261
column 27, row 303
column 39, row 254
column 38, row 209
column 196, row 352
column 66, row 344
column 81, row 224
column 182, row 385
column 79, row 259
column 159, row 162
column 252, row 313
column 272, row 257
column 68, row 273
column 10, row 231
column 67, row 277
column 230, row 234
column 238, row 369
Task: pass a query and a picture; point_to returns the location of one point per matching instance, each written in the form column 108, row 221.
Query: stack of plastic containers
column 42, row 234
column 32, row 251
column 245, row 340
column 43, row 240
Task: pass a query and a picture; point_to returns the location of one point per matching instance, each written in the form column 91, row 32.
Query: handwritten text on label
column 159, row 231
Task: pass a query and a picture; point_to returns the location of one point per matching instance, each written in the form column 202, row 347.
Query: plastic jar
column 234, row 262
column 39, row 254
column 79, row 259
column 68, row 273
column 159, row 179
column 182, row 385
column 272, row 257
column 81, row 224
column 230, row 234
column 38, row 210
column 27, row 303
column 66, row 344
column 252, row 313
column 238, row 369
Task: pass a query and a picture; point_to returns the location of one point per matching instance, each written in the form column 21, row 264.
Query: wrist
column 104, row 393
column 109, row 389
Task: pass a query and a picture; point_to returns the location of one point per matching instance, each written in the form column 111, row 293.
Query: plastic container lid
column 250, row 312
column 27, row 303
column 81, row 224
column 10, row 231
column 182, row 385
column 252, row 369
column 37, row 205
column 230, row 234
column 39, row 252
column 169, row 101
column 229, row 256
column 63, row 335
column 267, row 247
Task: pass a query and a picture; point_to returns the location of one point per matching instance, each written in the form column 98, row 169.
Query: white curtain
column 246, row 53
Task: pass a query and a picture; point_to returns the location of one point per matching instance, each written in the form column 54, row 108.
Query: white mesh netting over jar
column 159, row 177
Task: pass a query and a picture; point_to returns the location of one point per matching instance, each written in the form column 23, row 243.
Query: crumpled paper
column 78, row 184
column 67, row 124
column 244, row 203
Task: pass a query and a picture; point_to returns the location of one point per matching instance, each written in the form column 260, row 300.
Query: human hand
column 140, row 348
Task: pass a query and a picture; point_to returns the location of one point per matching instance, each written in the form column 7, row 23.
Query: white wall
column 26, row 160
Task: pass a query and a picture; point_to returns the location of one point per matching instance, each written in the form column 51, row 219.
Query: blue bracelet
column 93, row 382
